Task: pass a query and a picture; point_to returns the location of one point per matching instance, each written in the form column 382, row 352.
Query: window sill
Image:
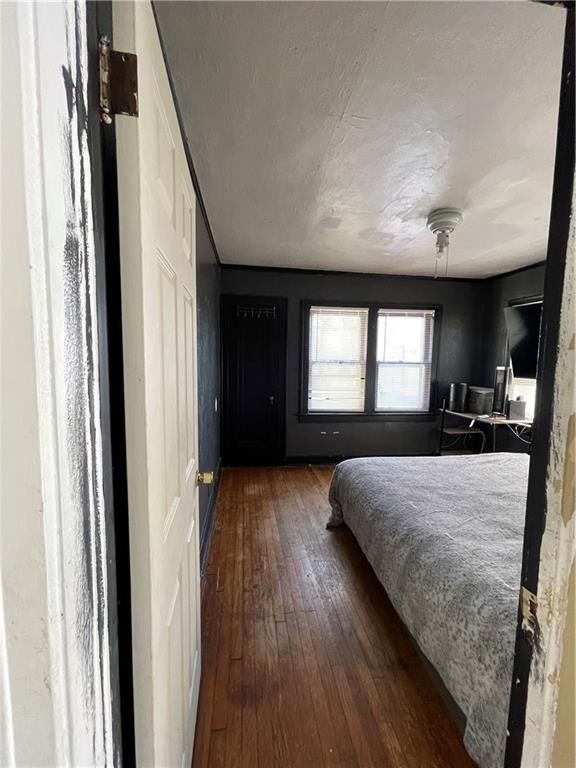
column 358, row 418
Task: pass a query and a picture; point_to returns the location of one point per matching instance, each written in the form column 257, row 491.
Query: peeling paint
column 533, row 633
column 568, row 489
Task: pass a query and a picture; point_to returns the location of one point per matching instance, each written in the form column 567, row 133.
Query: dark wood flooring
column 305, row 662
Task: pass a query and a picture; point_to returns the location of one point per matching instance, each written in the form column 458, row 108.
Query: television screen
column 523, row 326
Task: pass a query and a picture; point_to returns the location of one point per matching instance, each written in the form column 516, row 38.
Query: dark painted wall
column 208, row 318
column 459, row 357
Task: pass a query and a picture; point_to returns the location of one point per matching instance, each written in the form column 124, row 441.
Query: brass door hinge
column 118, row 82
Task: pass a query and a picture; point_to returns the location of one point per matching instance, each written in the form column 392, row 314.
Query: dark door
column 254, row 372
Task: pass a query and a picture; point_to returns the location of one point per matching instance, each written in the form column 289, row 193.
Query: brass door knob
column 205, row 478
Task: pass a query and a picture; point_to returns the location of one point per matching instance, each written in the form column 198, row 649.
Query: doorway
column 253, row 373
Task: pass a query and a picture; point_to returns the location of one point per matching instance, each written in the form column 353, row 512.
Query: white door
column 157, row 244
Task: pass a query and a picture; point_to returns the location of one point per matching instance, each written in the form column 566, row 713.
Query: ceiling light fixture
column 442, row 222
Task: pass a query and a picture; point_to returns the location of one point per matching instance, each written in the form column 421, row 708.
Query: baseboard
column 315, row 459
column 336, row 459
column 206, row 532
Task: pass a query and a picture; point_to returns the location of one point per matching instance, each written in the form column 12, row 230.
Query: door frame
column 546, row 547
column 103, row 154
column 63, row 250
column 102, row 150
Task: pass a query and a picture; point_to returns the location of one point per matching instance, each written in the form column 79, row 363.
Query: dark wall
column 459, row 357
column 208, row 318
column 499, row 291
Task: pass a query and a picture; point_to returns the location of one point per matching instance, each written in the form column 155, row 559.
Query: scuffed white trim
column 62, row 273
column 42, row 320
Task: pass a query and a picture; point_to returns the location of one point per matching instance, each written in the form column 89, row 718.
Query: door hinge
column 118, row 82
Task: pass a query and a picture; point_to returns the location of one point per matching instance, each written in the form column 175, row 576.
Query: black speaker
column 499, row 401
column 452, row 397
column 461, row 395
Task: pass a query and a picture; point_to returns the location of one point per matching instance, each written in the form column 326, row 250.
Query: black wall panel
column 208, row 318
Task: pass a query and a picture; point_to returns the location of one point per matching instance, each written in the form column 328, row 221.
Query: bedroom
column 288, row 384
column 323, row 137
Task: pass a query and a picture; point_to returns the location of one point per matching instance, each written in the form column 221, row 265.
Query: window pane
column 404, row 358
column 402, row 387
column 336, row 387
column 400, row 338
column 337, row 359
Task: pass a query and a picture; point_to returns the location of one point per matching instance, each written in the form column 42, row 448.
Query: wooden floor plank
column 309, row 727
column 234, row 723
column 211, row 615
column 249, row 736
column 337, row 747
column 358, row 732
column 266, row 686
column 305, row 663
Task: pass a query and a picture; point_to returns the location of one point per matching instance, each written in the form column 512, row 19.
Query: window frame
column 370, row 413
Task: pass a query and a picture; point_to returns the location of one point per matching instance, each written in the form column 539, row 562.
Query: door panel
column 157, row 242
column 254, row 355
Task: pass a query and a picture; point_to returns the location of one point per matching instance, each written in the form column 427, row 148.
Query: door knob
column 205, row 478
column 272, row 399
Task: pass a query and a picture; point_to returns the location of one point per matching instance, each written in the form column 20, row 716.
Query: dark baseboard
column 315, row 459
column 334, row 459
column 206, row 532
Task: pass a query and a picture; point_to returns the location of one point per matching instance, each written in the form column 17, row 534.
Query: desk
column 493, row 421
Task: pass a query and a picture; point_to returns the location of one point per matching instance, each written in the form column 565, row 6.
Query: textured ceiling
column 323, row 133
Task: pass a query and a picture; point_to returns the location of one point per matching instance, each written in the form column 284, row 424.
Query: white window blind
column 337, row 359
column 404, row 359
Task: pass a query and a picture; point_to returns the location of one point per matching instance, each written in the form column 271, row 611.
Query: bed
column 444, row 537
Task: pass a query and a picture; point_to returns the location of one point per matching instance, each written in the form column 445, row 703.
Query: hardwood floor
column 305, row 662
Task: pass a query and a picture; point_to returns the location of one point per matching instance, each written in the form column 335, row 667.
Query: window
column 404, row 358
column 368, row 360
column 526, row 389
column 337, row 359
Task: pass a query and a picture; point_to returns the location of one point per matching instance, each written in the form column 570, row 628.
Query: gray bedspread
column 444, row 536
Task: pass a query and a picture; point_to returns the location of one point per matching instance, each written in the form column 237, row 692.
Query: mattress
column 444, row 536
